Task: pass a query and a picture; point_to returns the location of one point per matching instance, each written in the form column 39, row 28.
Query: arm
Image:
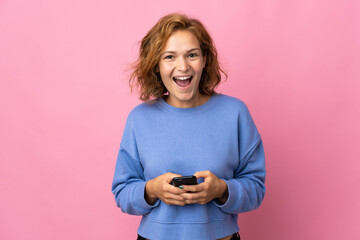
column 129, row 185
column 242, row 193
column 246, row 190
column 129, row 182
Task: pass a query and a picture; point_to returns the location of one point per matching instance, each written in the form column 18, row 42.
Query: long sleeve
column 219, row 136
column 247, row 187
column 129, row 182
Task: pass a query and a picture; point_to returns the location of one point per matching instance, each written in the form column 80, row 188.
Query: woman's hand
column 211, row 188
column 161, row 188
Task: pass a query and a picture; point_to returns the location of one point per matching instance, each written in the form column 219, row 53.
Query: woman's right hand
column 161, row 188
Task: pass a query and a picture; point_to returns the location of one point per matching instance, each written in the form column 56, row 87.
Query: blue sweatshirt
column 219, row 136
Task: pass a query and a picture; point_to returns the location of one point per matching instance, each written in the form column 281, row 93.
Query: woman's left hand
column 211, row 188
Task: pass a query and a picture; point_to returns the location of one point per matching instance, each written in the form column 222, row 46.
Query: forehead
column 181, row 40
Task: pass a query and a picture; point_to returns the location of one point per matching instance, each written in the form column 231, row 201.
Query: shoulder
column 229, row 99
column 142, row 110
column 143, row 107
column 231, row 103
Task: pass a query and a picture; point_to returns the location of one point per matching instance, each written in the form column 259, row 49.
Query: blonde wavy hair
column 145, row 75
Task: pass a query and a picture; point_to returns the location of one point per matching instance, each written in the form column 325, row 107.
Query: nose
column 182, row 65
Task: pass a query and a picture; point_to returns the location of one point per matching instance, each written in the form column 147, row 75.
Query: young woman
column 185, row 128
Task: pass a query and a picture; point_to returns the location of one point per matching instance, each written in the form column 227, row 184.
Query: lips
column 183, row 81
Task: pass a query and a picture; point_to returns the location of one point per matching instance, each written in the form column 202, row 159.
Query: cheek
column 165, row 76
column 165, row 70
column 200, row 69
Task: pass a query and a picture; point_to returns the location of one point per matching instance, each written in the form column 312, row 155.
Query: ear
column 157, row 68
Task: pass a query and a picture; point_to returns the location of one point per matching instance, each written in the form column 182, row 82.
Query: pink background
column 64, row 100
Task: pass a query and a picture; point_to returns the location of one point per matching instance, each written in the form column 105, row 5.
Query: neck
column 197, row 101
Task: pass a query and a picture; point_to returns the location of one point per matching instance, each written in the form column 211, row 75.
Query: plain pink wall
column 64, row 100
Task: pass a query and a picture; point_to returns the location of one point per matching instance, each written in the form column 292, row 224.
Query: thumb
column 202, row 174
column 170, row 176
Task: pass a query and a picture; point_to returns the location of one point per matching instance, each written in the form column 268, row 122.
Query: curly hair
column 145, row 73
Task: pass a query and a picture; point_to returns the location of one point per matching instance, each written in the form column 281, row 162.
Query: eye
column 192, row 55
column 169, row 57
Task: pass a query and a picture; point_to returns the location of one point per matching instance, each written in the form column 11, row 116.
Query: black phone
column 184, row 180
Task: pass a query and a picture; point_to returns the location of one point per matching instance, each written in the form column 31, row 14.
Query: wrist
column 223, row 192
column 150, row 197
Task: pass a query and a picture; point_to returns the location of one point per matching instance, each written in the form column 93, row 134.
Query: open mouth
column 183, row 81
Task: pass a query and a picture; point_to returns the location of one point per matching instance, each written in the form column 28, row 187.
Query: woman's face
column 181, row 64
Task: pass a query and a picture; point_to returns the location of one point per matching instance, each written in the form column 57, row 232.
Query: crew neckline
column 187, row 111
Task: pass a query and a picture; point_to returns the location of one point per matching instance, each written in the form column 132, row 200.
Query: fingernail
column 181, row 187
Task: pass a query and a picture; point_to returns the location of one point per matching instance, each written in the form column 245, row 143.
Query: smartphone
column 184, row 180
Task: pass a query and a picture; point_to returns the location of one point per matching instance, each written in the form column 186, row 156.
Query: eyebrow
column 190, row 50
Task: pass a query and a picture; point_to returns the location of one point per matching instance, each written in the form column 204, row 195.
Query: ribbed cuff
column 139, row 199
column 234, row 197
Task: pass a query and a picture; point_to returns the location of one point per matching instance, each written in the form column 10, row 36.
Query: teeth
column 182, row 78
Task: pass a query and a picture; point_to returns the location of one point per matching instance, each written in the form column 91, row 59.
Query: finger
column 199, row 198
column 170, row 176
column 192, row 196
column 193, row 188
column 173, row 189
column 198, row 201
column 175, row 202
column 202, row 174
column 173, row 197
